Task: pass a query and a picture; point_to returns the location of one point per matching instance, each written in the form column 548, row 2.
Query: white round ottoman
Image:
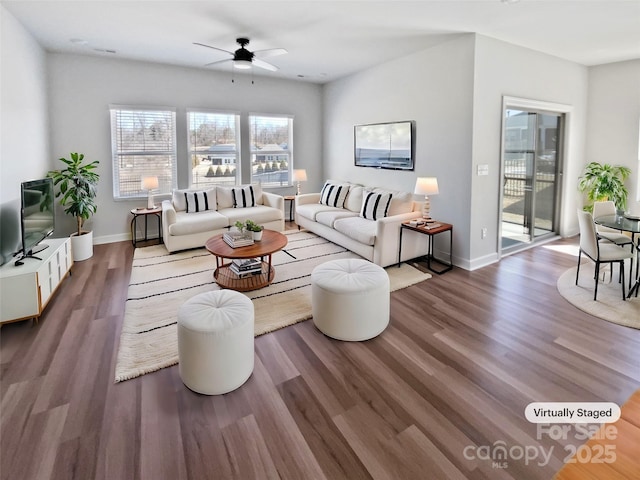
column 215, row 341
column 350, row 299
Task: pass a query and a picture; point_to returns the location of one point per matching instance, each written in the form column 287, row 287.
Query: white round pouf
column 350, row 299
column 215, row 341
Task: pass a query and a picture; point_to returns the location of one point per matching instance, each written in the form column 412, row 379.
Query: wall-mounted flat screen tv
column 385, row 145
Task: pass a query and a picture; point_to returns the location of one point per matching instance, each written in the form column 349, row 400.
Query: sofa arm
column 306, row 198
column 388, row 237
column 168, row 217
column 272, row 200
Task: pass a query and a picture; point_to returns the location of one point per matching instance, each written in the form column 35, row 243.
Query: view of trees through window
column 143, row 144
column 270, row 150
column 213, row 140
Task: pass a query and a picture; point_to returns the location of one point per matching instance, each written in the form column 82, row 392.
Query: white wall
column 504, row 69
column 613, row 120
column 434, row 87
column 82, row 88
column 24, row 148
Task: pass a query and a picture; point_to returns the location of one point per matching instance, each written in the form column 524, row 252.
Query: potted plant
column 255, row 229
column 76, row 187
column 603, row 182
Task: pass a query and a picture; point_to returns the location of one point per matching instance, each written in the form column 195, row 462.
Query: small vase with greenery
column 76, row 186
column 603, row 182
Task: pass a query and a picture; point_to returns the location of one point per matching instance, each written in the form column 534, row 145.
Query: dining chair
column 599, row 252
column 601, row 209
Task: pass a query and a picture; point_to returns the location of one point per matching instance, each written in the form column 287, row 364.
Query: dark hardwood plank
column 464, row 354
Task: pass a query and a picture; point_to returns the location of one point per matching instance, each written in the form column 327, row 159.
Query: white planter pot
column 82, row 246
column 257, row 236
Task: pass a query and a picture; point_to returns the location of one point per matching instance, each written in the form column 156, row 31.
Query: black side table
column 138, row 212
column 290, row 199
column 431, row 230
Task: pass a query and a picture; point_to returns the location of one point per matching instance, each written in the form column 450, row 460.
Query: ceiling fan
column 244, row 59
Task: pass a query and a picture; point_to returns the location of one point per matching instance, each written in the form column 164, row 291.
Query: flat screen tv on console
column 385, row 145
column 37, row 217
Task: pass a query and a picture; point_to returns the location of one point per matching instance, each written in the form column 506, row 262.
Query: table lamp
column 149, row 184
column 299, row 175
column 426, row 186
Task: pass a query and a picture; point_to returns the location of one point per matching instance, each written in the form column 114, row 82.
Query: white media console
column 26, row 289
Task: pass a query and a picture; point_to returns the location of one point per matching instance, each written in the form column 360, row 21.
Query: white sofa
column 182, row 230
column 374, row 240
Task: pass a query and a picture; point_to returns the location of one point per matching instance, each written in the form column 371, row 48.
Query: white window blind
column 271, row 140
column 214, row 138
column 143, row 144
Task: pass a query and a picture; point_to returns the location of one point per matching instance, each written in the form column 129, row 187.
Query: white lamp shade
column 426, row 186
column 299, row 175
column 149, row 183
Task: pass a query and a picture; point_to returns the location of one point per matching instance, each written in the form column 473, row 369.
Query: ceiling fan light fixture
column 242, row 64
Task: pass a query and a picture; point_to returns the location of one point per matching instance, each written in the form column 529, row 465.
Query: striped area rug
column 161, row 282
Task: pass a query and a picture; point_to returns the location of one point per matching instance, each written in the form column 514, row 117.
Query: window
column 143, row 144
column 213, row 148
column 271, row 149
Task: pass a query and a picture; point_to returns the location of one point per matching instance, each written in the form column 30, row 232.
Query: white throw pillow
column 375, row 205
column 200, row 201
column 333, row 194
column 243, row 197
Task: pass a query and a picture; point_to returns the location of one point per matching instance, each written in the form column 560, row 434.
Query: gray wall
column 454, row 92
column 24, row 149
column 433, row 87
column 81, row 88
column 613, row 124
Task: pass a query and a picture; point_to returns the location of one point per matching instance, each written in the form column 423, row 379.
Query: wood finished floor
column 464, row 354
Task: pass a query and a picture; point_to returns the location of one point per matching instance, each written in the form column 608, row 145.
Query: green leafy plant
column 604, row 182
column 252, row 226
column 76, row 187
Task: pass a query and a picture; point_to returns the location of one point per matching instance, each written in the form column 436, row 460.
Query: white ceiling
column 328, row 39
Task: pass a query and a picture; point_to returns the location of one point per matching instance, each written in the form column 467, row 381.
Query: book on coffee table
column 237, row 239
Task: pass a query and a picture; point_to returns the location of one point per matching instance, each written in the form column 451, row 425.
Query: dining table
column 625, row 223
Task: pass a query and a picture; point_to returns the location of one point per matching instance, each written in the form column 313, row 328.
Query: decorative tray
column 632, row 216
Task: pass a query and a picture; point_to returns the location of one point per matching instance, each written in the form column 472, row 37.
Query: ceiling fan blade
column 226, row 60
column 270, row 52
column 262, row 64
column 214, row 48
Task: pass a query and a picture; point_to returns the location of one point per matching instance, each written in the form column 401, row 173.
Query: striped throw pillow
column 375, row 205
column 243, row 197
column 334, row 195
column 200, row 201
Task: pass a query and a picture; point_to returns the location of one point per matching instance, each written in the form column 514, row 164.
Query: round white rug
column 609, row 305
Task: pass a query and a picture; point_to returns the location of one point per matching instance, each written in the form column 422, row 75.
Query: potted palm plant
column 76, row 186
column 603, row 182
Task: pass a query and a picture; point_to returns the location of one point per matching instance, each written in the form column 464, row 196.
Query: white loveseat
column 182, row 229
column 376, row 240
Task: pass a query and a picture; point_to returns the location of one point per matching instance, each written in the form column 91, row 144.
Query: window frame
column 168, row 177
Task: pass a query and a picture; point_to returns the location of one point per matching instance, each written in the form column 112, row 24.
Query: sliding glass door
column 532, row 144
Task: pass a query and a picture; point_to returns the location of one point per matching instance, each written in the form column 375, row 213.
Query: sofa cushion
column 188, row 223
column 402, row 202
column 334, row 194
column 225, row 195
column 358, row 228
column 200, row 201
column 311, row 210
column 259, row 214
column 329, row 217
column 375, row 205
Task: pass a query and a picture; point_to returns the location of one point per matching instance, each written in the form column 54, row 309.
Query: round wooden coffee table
column 271, row 242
